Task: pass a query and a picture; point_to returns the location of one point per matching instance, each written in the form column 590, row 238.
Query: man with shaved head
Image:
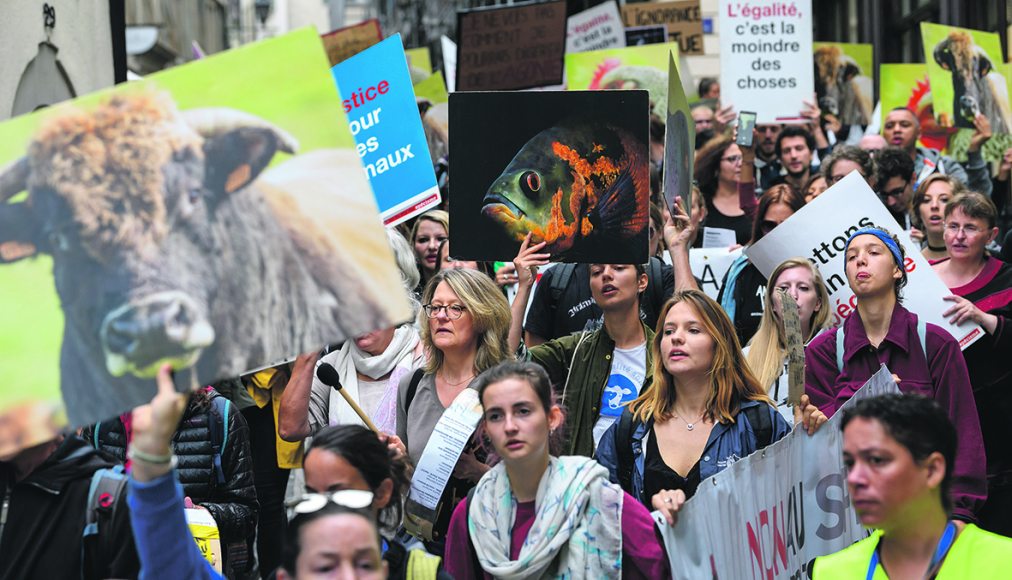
column 902, row 129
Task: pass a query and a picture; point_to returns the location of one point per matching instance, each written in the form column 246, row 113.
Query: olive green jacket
column 589, row 354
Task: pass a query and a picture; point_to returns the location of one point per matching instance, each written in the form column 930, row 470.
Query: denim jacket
column 726, row 444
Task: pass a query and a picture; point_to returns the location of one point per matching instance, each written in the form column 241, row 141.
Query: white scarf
column 577, row 531
column 401, row 356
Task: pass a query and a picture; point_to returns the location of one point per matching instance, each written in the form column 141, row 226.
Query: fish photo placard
column 572, row 170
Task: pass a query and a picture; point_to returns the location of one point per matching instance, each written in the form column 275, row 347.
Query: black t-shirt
column 749, row 298
column 740, row 224
column 553, row 317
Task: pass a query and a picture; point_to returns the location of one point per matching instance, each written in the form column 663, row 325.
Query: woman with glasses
column 899, row 452
column 538, row 515
column 927, row 212
column 464, row 324
column 923, row 358
column 729, row 192
column 741, row 293
column 981, row 288
column 350, row 462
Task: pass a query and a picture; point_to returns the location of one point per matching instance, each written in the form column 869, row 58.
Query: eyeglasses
column 969, row 229
column 732, row 159
column 831, row 179
column 894, row 193
column 355, row 499
column 453, row 311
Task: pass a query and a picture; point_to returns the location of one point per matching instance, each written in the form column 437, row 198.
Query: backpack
column 922, row 334
column 107, row 486
column 756, row 415
column 412, row 389
column 562, row 274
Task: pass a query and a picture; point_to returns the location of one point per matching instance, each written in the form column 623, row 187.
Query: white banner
column 766, row 58
column 819, row 232
column 596, row 28
column 710, row 265
column 769, row 515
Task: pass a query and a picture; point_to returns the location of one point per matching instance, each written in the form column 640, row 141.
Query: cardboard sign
column 843, row 80
column 765, row 58
column 641, row 35
column 376, row 89
column 351, row 40
column 514, row 47
column 683, row 21
column 211, row 233
column 770, row 514
column 965, row 67
column 679, row 143
column 907, row 85
column 596, row 28
column 819, row 232
column 572, row 170
column 635, row 67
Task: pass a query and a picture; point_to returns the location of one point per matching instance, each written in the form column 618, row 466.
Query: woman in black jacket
column 215, row 469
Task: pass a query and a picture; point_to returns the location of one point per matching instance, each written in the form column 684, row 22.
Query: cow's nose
column 161, row 327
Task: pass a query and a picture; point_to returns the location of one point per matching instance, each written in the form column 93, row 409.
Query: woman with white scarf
column 535, row 515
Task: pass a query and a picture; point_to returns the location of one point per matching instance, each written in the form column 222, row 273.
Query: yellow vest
column 975, row 554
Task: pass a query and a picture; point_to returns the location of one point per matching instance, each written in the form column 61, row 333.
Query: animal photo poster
column 966, row 71
column 573, row 171
column 633, row 67
column 214, row 216
column 844, row 84
column 907, row 85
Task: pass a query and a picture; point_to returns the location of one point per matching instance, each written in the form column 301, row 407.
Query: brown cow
column 976, row 88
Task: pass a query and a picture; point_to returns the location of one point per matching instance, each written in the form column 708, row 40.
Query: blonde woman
column 767, row 351
column 430, row 229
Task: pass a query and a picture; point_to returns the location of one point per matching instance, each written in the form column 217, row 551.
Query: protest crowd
column 553, row 414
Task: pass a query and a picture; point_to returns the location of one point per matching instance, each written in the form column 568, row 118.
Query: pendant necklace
column 690, row 426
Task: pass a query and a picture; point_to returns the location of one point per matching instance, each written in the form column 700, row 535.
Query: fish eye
column 530, row 182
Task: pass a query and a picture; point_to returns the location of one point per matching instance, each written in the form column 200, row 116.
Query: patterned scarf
column 577, row 531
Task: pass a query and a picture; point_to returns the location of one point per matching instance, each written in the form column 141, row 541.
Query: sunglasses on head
column 355, row 499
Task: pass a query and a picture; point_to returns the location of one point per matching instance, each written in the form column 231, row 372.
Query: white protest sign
column 766, row 58
column 719, row 237
column 770, row 514
column 449, row 49
column 596, row 28
column 819, row 232
column 710, row 265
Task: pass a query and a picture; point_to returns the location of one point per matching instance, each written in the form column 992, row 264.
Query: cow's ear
column 17, row 229
column 942, row 55
column 235, row 158
column 850, row 70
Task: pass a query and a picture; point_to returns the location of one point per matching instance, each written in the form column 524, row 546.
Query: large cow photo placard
column 572, row 171
column 200, row 217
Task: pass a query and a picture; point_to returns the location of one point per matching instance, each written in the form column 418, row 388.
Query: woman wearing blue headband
column 923, row 358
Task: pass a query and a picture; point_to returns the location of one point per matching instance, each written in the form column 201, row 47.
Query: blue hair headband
column 886, row 239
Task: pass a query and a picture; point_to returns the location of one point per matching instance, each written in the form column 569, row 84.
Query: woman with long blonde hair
column 767, row 351
column 688, row 425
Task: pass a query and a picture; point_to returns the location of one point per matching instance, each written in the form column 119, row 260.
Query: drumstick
column 328, row 375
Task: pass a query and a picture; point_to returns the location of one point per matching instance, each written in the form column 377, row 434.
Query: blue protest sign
column 376, row 93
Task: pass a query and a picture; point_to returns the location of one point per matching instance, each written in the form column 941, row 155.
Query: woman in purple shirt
column 923, row 358
column 535, row 514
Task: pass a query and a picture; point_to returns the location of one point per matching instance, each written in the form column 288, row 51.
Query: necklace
column 934, row 249
column 689, row 426
column 458, row 383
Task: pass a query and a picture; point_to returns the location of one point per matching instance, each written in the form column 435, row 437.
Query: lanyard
column 946, row 541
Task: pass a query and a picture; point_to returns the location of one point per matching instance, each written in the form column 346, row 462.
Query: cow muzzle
column 142, row 335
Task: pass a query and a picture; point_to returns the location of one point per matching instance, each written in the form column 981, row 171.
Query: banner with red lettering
column 769, row 515
column 819, row 232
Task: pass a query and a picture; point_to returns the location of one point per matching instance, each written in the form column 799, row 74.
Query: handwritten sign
column 682, row 19
column 351, row 40
column 596, row 28
column 766, row 58
column 516, row 47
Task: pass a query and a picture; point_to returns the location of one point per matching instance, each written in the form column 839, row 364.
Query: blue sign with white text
column 375, row 88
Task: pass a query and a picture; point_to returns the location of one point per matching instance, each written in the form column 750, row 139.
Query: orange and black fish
column 576, row 185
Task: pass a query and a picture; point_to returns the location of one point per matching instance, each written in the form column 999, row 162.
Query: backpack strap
column 217, row 425
column 922, row 334
column 475, row 563
column 623, row 450
column 839, row 349
column 759, row 418
column 561, row 275
column 107, row 486
column 412, row 389
column 655, row 284
column 421, row 565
